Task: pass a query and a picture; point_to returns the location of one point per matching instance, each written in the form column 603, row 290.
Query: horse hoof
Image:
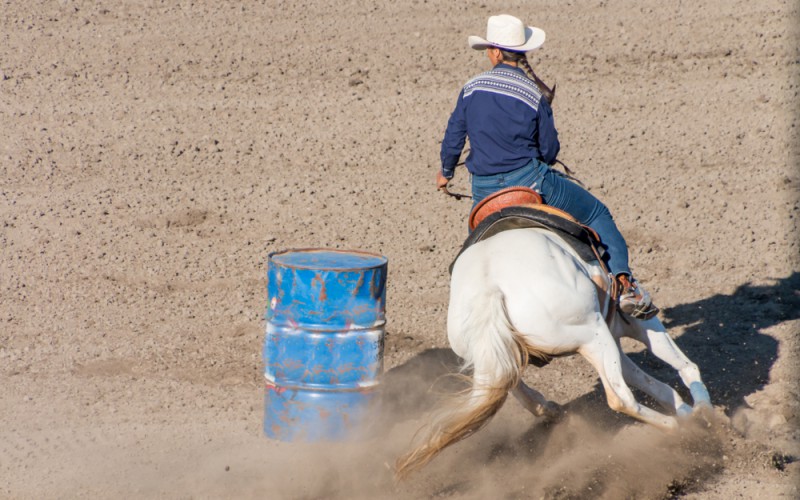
column 553, row 412
column 703, row 406
column 699, row 394
column 706, row 416
column 684, row 411
column 702, row 411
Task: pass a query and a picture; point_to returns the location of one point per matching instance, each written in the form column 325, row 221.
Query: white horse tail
column 489, row 344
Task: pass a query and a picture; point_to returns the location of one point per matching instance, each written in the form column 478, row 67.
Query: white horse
column 525, row 292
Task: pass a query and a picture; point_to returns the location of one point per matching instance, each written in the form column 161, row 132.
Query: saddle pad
column 576, row 235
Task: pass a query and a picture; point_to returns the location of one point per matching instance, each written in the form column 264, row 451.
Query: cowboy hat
column 508, row 32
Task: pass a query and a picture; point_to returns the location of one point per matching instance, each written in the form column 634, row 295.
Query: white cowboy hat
column 508, row 32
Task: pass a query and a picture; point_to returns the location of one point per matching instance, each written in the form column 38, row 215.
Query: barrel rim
column 324, row 329
column 296, row 385
column 382, row 258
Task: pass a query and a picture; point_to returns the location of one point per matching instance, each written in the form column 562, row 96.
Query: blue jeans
column 560, row 192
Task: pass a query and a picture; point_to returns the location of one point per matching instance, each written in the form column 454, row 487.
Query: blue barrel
column 323, row 349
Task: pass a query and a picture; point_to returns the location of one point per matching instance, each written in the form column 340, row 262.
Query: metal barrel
column 323, row 349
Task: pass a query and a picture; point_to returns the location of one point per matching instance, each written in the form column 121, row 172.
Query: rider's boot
column 633, row 299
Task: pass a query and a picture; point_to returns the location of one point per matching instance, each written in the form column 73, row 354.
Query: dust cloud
column 515, row 456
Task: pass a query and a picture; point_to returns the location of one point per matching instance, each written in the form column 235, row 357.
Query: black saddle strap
column 578, row 237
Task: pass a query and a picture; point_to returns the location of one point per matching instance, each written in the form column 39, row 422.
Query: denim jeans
column 560, row 192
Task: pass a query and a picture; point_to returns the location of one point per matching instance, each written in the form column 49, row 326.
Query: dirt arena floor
column 154, row 153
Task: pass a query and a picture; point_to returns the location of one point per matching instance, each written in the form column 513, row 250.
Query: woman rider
column 506, row 114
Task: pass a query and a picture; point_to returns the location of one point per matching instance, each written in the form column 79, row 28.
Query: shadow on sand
column 723, row 334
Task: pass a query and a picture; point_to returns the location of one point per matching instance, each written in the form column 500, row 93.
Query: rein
column 457, row 196
column 568, row 173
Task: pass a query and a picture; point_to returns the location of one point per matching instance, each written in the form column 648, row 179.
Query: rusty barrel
column 323, row 349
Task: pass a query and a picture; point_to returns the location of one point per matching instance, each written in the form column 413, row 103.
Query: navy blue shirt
column 507, row 120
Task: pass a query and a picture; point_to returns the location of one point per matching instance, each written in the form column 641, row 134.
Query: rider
column 506, row 114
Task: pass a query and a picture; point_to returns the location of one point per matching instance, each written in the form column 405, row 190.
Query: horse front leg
column 653, row 334
column 602, row 352
column 665, row 395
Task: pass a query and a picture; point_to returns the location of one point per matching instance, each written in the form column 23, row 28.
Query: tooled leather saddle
column 520, row 207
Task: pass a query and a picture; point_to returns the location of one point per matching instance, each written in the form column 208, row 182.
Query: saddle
column 520, row 207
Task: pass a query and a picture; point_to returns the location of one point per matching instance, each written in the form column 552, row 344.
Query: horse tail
column 497, row 355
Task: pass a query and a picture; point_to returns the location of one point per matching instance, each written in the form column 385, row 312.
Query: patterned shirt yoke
column 508, row 83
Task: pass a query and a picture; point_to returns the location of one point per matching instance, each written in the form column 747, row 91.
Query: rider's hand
column 441, row 181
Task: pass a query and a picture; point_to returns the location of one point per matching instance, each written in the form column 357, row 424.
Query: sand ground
column 154, row 153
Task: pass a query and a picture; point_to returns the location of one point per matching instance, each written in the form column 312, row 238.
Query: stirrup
column 634, row 300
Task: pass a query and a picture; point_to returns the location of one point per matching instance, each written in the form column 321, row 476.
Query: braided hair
column 521, row 59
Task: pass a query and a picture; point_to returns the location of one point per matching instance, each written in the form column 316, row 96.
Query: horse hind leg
column 535, row 402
